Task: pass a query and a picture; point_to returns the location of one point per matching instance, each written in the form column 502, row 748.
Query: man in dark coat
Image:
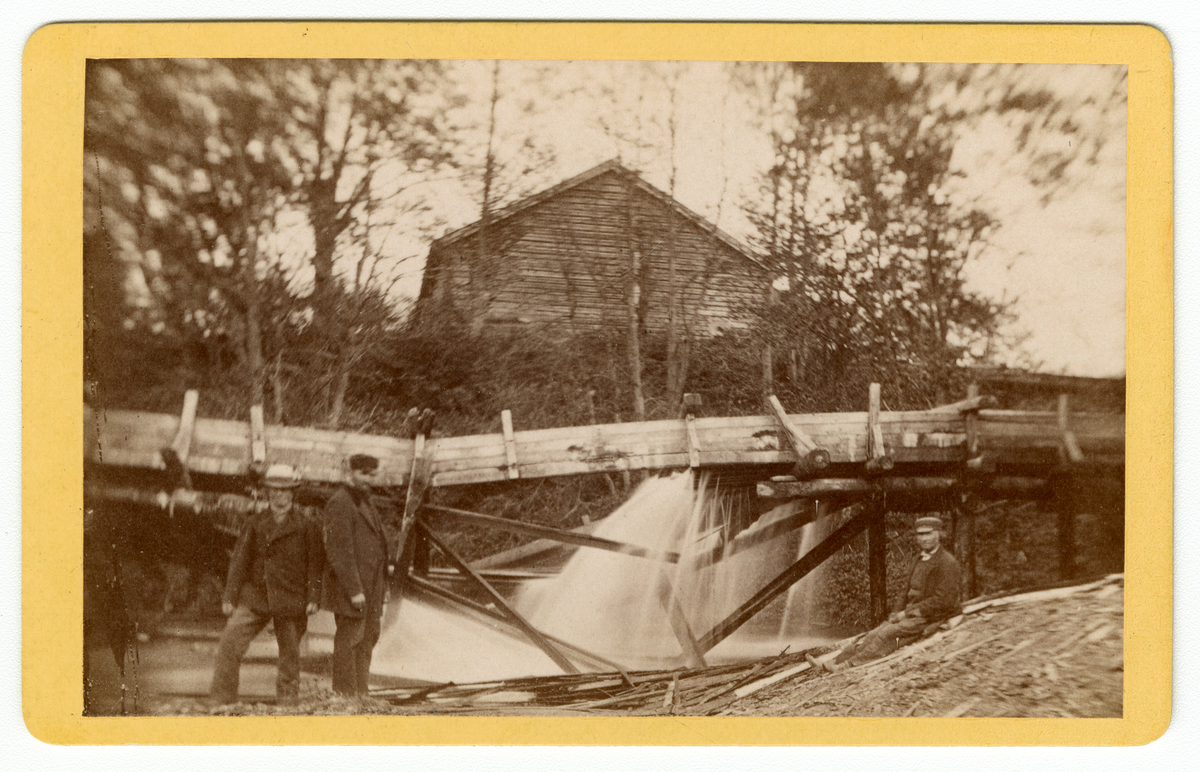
column 274, row 576
column 932, row 597
column 355, row 583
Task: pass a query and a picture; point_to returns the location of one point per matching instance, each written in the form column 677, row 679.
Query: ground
column 1041, row 657
column 1053, row 653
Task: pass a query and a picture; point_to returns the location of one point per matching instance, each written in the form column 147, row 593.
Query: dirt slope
column 1056, row 653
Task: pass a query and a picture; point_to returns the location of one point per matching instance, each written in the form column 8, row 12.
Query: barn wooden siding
column 562, row 262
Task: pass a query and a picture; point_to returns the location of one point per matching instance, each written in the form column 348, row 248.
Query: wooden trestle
column 912, row 459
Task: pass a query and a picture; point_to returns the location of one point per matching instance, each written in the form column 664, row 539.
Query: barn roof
column 613, row 166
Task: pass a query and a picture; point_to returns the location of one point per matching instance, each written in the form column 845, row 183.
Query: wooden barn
column 579, row 256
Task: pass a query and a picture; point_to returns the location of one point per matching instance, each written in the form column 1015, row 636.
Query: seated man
column 274, row 575
column 931, row 598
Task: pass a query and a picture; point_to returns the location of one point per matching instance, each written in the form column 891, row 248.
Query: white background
column 1178, row 20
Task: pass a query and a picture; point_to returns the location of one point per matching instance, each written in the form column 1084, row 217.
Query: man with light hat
column 274, row 576
column 932, row 597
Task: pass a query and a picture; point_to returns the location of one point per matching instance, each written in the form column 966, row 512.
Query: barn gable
column 561, row 260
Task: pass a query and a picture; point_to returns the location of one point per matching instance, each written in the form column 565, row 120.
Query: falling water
column 608, row 603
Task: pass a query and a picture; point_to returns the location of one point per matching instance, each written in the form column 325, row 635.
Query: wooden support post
column 554, row 534
column 692, row 403
column 878, row 459
column 780, row 584
column 1064, row 504
column 420, row 557
column 510, row 444
column 1069, row 450
column 258, row 439
column 810, row 458
column 964, row 535
column 877, row 561
column 530, row 631
column 972, row 423
column 182, row 444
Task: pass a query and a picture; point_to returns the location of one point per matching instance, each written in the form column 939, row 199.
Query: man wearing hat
column 932, row 597
column 274, row 575
column 355, row 583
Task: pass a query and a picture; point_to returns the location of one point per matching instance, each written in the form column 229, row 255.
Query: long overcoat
column 276, row 567
column 356, row 552
column 933, row 587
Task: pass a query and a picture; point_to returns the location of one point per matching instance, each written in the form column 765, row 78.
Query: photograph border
column 52, row 339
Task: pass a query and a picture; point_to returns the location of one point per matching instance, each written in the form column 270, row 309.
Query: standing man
column 275, row 575
column 355, row 580
column 931, row 598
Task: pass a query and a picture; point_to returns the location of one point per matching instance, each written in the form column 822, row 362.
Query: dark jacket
column 356, row 551
column 933, row 587
column 276, row 569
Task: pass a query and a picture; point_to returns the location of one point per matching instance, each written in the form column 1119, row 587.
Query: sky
column 1061, row 262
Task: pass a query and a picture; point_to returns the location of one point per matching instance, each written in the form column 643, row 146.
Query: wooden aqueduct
column 897, row 461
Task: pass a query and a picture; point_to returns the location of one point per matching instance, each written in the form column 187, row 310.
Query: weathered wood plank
column 133, row 439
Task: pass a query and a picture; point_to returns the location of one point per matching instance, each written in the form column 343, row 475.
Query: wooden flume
column 914, row 456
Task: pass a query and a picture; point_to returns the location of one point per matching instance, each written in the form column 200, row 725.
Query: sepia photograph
column 520, row 387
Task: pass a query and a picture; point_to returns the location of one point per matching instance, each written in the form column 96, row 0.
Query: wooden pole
column 1064, row 503
column 965, row 532
column 530, row 631
column 877, row 561
column 780, row 584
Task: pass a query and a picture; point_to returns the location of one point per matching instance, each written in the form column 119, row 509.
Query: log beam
column 853, row 485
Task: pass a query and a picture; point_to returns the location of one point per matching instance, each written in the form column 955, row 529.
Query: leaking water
column 614, row 605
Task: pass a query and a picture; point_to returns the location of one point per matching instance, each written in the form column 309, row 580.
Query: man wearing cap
column 931, row 598
column 355, row 582
column 274, row 575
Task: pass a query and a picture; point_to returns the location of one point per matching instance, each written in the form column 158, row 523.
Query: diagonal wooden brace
column 777, row 586
column 811, row 459
column 530, row 631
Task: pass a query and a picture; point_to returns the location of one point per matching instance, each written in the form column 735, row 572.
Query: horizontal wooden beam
column 553, row 534
column 817, row 488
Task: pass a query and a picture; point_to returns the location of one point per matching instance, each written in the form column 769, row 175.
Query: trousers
column 353, row 643
column 883, row 640
column 243, row 625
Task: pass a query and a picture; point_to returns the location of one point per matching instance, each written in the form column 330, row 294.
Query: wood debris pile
column 690, row 692
column 979, row 637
